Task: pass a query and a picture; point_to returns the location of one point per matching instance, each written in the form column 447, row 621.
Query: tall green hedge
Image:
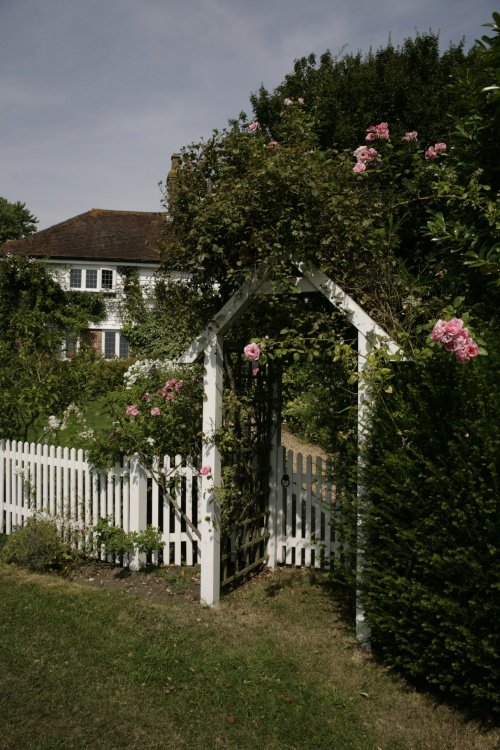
column 432, row 584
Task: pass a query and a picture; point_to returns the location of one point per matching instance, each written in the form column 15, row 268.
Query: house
column 94, row 252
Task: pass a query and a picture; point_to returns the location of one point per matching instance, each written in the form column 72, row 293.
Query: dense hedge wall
column 432, row 526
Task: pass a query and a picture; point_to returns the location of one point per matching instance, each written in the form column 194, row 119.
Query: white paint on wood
column 209, row 524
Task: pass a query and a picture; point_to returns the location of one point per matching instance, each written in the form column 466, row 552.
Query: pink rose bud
column 253, row 126
column 155, row 411
column 255, row 371
column 205, row 471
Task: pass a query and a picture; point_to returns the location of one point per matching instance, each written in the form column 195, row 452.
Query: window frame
column 83, row 270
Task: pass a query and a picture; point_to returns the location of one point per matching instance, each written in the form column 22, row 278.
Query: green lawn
column 271, row 668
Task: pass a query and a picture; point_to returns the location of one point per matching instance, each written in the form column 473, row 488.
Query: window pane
column 75, row 278
column 91, row 278
column 109, row 344
column 70, row 345
column 106, row 279
column 123, row 346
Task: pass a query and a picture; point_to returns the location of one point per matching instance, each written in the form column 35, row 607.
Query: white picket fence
column 305, row 511
column 60, row 482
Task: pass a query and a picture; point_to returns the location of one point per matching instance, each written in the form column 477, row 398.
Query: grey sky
column 97, row 94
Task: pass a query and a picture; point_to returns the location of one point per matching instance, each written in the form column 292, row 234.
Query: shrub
column 36, row 545
column 432, row 551
column 114, row 539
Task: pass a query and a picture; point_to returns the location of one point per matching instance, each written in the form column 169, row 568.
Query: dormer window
column 92, row 279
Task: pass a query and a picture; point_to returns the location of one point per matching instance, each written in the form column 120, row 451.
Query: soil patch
column 179, row 585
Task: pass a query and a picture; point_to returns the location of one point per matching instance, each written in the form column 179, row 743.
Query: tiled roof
column 96, row 235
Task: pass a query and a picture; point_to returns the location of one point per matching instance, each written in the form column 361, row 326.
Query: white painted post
column 363, row 631
column 209, row 517
column 3, row 505
column 138, row 507
column 274, row 475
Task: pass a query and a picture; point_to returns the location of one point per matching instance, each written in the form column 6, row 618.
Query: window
column 114, row 345
column 106, row 278
column 71, row 345
column 91, row 278
column 75, row 278
column 123, row 346
column 109, row 344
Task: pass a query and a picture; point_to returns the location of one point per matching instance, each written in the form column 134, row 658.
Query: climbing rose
column 453, row 337
column 363, row 153
column 155, row 411
column 253, row 126
column 132, row 411
column 453, row 326
column 170, row 385
column 411, row 135
column 205, row 471
column 380, row 131
column 434, row 151
column 252, row 352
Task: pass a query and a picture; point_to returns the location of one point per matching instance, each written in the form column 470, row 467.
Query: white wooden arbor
column 211, row 343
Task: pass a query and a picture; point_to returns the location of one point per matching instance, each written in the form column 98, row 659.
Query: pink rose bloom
column 411, row 135
column 255, row 371
column 155, row 411
column 453, row 326
column 252, row 352
column 363, row 153
column 287, row 101
column 380, row 131
column 434, row 151
column 458, row 344
column 438, row 331
column 273, row 144
column 253, row 126
column 462, row 357
column 178, row 385
column 359, row 167
column 132, row 411
column 205, row 471
column 169, row 396
column 472, row 349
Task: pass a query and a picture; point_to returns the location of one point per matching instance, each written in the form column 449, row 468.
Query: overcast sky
column 95, row 95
